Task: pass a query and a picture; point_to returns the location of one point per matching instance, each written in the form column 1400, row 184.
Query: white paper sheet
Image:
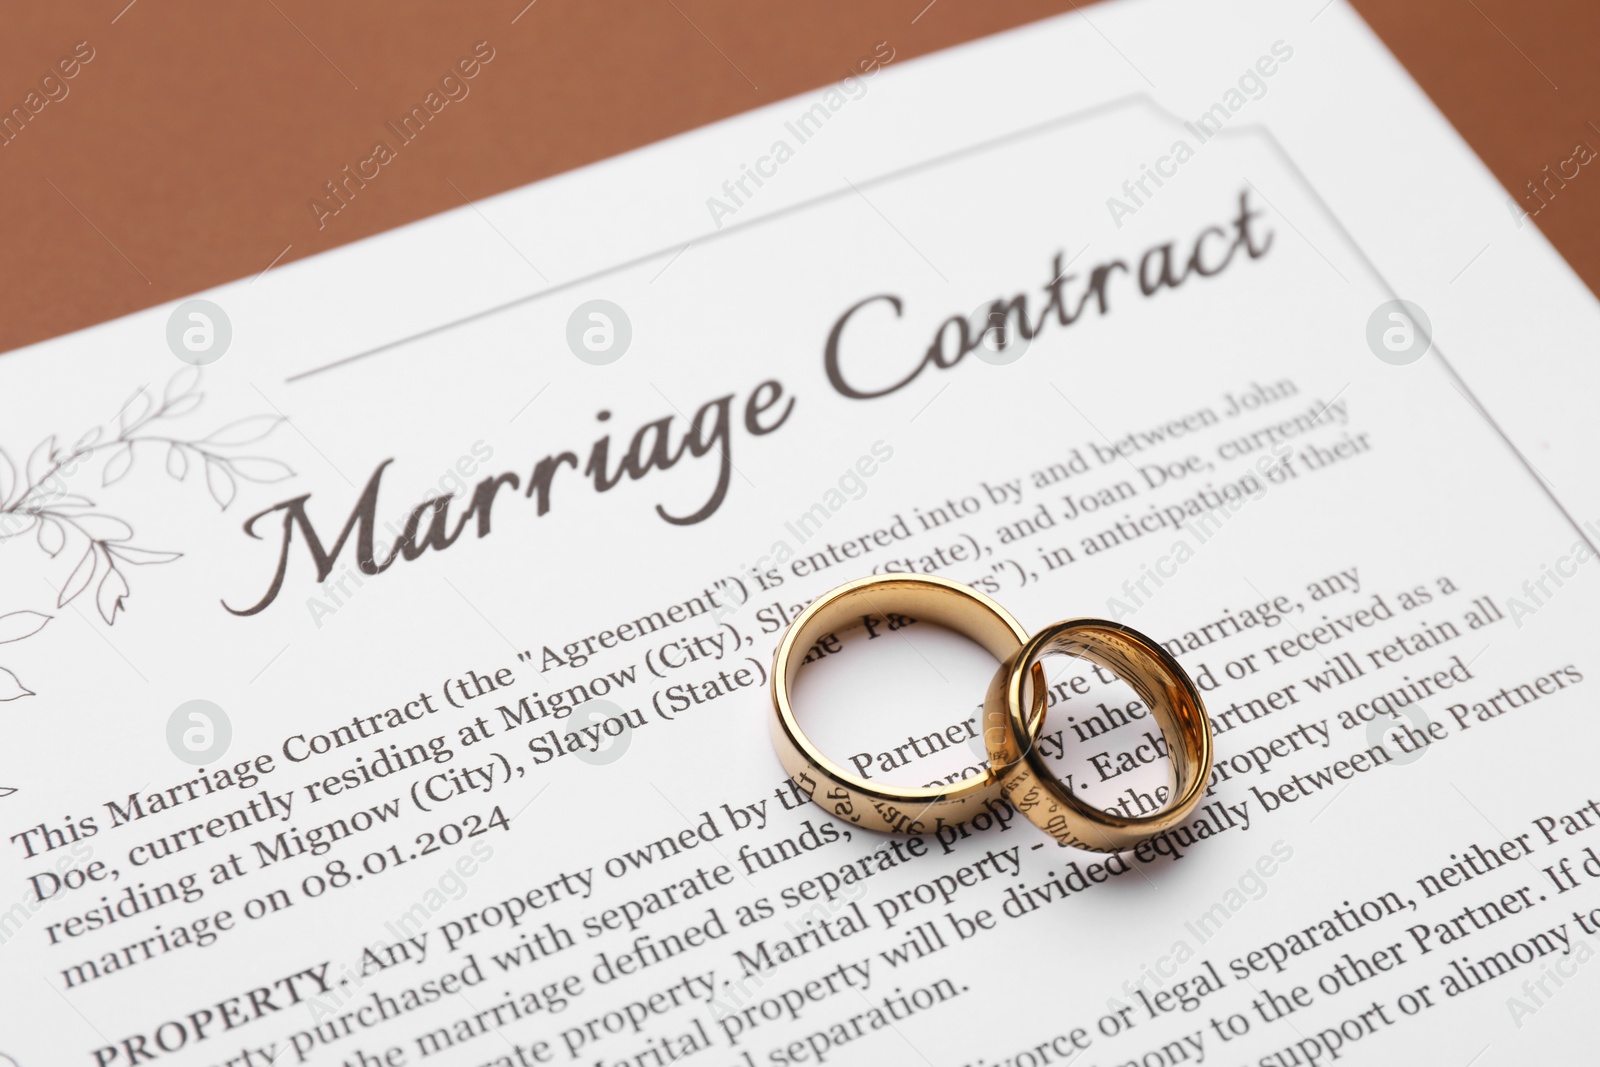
column 405, row 847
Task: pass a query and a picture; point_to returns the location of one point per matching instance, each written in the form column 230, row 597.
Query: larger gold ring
column 1030, row 785
column 856, row 800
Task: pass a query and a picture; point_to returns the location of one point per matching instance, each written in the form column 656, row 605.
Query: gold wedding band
column 1030, row 785
column 926, row 598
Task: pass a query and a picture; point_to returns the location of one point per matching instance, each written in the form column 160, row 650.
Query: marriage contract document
column 385, row 640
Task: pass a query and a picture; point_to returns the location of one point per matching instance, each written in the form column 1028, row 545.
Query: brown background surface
column 186, row 151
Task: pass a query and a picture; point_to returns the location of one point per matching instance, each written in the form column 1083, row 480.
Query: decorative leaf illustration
column 16, row 625
column 37, row 496
column 119, row 464
column 17, row 523
column 79, row 580
column 180, row 385
column 39, row 459
column 10, row 688
column 104, row 528
column 220, row 482
column 177, row 462
column 182, row 406
column 108, row 598
column 52, row 537
column 141, row 556
column 134, row 411
column 257, row 469
column 246, row 430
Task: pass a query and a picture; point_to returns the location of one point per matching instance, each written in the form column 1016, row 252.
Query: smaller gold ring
column 1030, row 785
column 926, row 598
